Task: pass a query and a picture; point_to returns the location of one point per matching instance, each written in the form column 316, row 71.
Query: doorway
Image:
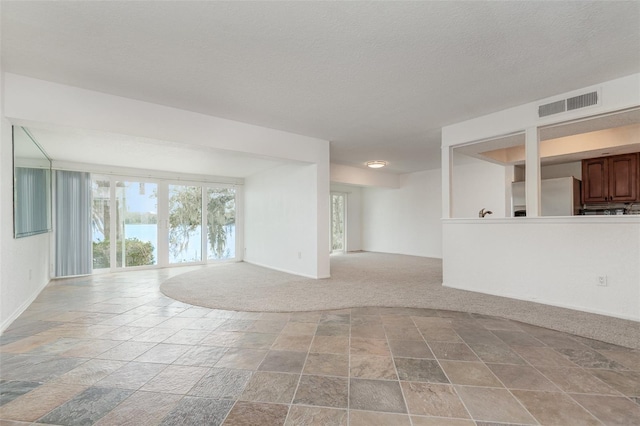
column 338, row 222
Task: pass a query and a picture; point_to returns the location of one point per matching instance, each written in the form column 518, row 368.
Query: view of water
column 149, row 233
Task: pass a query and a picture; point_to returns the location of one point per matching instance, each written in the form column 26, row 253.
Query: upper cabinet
column 611, row 179
column 623, row 181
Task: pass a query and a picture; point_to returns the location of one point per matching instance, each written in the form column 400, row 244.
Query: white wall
column 615, row 95
column 24, row 262
column 37, row 101
column 404, row 220
column 354, row 214
column 478, row 184
column 32, row 101
column 282, row 222
column 341, row 173
column 548, row 260
column 553, row 171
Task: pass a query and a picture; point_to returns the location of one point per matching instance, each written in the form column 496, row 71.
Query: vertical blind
column 31, row 201
column 73, row 223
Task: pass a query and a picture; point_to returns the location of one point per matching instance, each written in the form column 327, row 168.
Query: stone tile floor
column 112, row 350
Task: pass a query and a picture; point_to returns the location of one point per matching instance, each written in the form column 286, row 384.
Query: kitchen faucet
column 484, row 212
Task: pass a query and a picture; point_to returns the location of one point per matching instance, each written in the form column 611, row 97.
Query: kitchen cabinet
column 611, row 179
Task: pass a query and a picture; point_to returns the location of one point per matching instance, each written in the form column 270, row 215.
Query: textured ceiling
column 377, row 79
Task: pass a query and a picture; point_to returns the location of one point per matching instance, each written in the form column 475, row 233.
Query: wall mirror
column 31, row 186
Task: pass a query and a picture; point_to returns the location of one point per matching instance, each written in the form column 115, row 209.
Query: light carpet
column 376, row 279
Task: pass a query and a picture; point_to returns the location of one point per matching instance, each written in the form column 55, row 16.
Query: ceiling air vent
column 582, row 101
column 569, row 104
column 552, row 108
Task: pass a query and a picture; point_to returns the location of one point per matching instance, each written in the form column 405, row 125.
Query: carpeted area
column 377, row 279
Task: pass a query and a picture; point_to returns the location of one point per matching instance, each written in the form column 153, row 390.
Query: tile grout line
column 82, row 325
column 444, row 372
column 505, row 387
column 395, row 368
column 293, row 397
column 567, row 394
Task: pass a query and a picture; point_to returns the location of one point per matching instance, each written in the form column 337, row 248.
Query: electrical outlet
column 602, row 281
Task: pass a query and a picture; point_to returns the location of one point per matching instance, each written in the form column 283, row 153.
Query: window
column 221, row 223
column 185, row 223
column 153, row 223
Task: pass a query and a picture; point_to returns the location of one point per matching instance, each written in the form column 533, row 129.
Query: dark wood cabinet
column 595, row 180
column 611, row 179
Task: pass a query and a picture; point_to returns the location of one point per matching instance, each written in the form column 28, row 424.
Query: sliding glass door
column 101, row 221
column 138, row 223
column 185, row 224
column 221, row 223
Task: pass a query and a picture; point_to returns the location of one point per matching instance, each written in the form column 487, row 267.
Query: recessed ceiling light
column 376, row 164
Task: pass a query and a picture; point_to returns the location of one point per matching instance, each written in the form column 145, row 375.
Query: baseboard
column 286, row 271
column 545, row 302
column 23, row 307
column 404, row 254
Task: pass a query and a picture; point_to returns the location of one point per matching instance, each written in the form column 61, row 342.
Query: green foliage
column 337, row 222
column 138, row 253
column 101, row 254
column 221, row 212
column 185, row 212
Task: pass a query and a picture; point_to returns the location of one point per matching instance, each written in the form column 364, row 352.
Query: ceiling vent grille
column 570, row 104
column 552, row 108
column 582, row 101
